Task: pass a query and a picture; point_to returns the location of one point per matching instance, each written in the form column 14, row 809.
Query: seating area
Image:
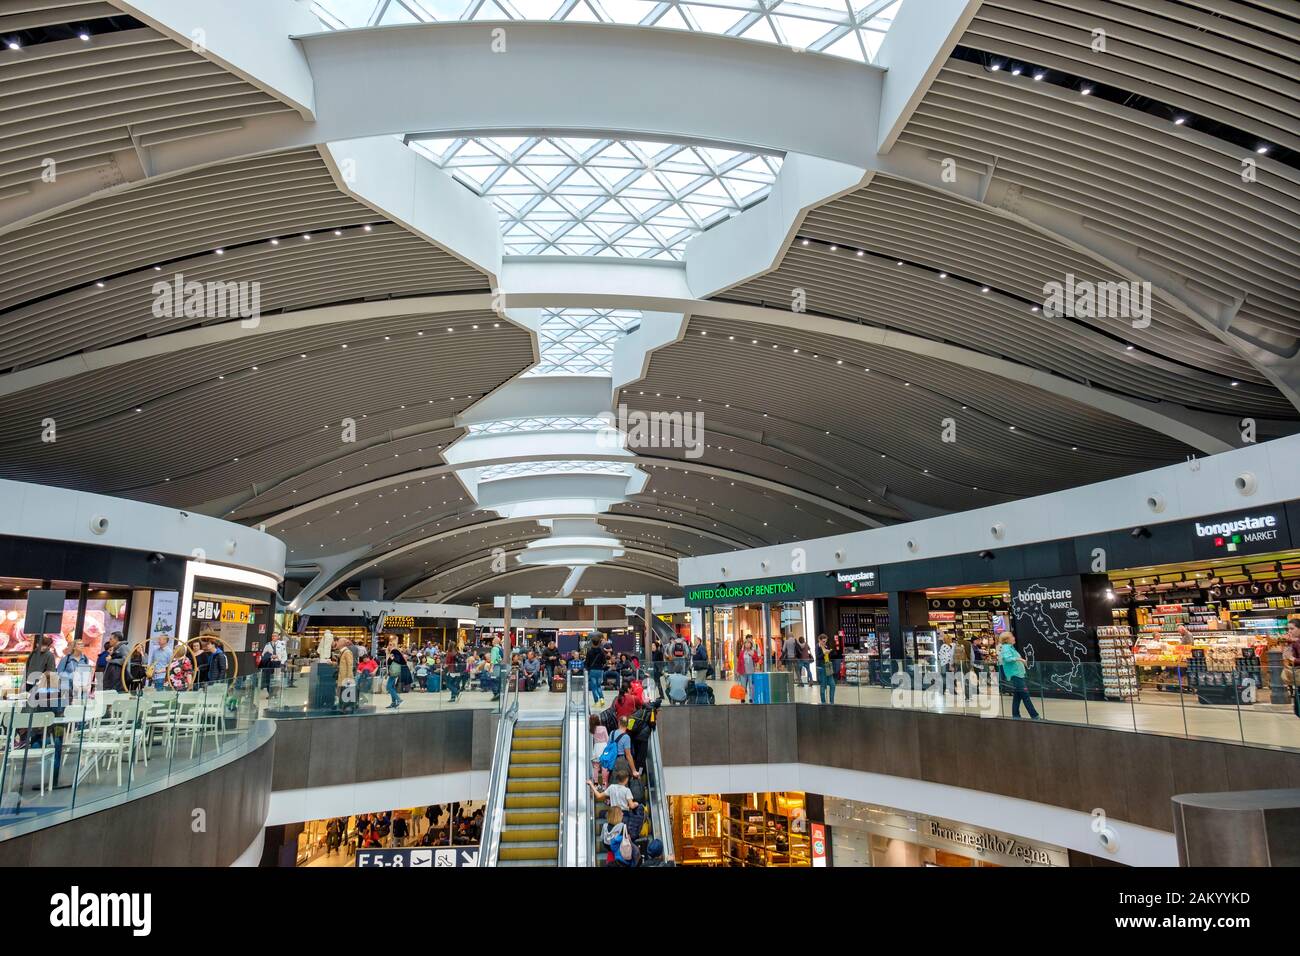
column 61, row 758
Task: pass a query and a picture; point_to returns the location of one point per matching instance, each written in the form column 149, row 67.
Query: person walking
column 1013, row 666
column 75, row 673
column 595, row 667
column 747, row 665
column 218, row 663
column 114, row 661
column 657, row 665
column 396, row 661
column 804, row 655
column 159, row 659
column 825, row 671
column 790, row 656
column 346, row 680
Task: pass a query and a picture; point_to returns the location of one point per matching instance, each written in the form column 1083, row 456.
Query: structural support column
column 649, row 631
column 908, row 610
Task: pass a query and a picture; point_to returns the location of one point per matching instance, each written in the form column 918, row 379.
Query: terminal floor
column 1260, row 724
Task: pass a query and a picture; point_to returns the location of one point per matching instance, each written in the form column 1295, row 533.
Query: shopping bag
column 737, row 692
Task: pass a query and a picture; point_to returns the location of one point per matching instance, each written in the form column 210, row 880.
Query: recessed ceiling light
column 1016, row 72
column 995, row 67
column 985, row 289
column 1086, row 91
column 13, row 45
column 275, row 242
column 306, row 235
column 1180, row 120
column 1038, row 76
column 366, row 227
column 99, row 285
column 835, row 248
column 1262, row 150
column 221, row 252
column 84, row 37
column 943, row 275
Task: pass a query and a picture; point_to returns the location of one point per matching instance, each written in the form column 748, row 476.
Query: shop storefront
column 863, row 834
column 745, row 829
column 91, row 611
column 1197, row 607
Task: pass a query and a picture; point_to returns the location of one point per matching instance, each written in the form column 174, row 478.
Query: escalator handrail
column 575, row 838
column 660, row 818
column 494, row 815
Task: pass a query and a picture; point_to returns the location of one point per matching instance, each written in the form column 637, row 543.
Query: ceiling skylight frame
column 819, row 26
column 602, row 197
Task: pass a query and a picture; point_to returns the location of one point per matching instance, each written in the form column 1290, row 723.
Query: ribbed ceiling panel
column 1174, row 192
column 181, row 222
column 909, row 223
column 79, row 103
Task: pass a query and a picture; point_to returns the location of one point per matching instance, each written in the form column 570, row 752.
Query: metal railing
column 575, row 798
column 67, row 750
column 494, row 814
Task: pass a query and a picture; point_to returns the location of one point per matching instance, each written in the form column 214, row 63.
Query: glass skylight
column 848, row 28
column 581, row 341
column 553, row 424
column 526, row 469
column 603, row 197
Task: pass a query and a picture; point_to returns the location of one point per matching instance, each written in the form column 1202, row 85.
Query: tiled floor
column 1260, row 724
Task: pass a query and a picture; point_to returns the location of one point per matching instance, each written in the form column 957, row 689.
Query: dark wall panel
column 1132, row 777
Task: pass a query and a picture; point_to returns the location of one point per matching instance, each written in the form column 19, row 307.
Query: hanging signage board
column 419, row 858
column 785, row 588
column 232, row 613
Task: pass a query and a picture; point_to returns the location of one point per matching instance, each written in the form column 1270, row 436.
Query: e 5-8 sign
column 419, row 858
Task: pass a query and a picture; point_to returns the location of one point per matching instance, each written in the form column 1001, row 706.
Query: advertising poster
column 102, row 617
column 818, row 844
column 162, row 620
column 1053, row 620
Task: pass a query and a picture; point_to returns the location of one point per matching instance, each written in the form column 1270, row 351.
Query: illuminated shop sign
column 742, row 592
column 399, row 620
column 857, row 581
column 1249, row 532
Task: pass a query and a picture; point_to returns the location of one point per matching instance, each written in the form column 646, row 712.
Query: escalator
column 661, row 630
column 530, row 832
column 658, row 822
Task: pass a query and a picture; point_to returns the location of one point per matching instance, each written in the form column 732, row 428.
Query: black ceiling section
column 1012, row 440
column 255, row 399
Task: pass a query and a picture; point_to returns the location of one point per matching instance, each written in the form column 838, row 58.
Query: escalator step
column 520, row 785
column 537, row 730
column 545, row 851
column 523, row 744
column 531, row 835
column 532, row 817
column 535, row 756
column 535, row 771
column 533, row 801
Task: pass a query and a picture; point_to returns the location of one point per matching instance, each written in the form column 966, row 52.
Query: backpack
column 623, row 848
column 679, row 648
column 609, row 756
column 640, row 724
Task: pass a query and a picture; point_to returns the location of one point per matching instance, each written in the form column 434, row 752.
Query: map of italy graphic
column 1034, row 614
